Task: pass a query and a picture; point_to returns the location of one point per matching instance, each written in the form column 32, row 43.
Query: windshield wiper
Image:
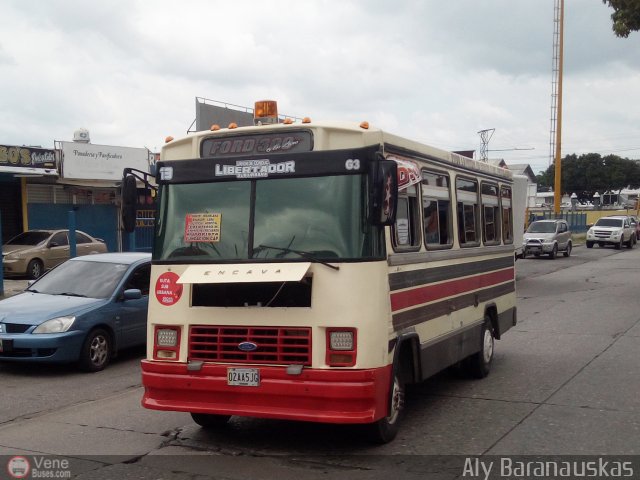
column 303, row 254
column 71, row 294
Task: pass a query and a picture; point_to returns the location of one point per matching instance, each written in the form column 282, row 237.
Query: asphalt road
column 564, row 382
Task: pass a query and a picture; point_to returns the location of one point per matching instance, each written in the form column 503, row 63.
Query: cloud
column 129, row 71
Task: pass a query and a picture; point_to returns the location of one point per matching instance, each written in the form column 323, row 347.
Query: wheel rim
column 98, row 350
column 487, row 346
column 397, row 401
column 35, row 270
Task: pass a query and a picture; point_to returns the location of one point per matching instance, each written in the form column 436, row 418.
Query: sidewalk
column 13, row 287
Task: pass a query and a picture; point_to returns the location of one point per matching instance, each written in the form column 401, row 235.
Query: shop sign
column 13, row 156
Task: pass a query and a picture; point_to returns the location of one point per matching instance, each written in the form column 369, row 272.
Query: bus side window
column 406, row 231
column 507, row 214
column 467, row 197
column 436, row 210
column 490, row 214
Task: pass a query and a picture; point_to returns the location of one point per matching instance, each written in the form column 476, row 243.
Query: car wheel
column 619, row 245
column 35, row 269
column 568, row 251
column 554, row 252
column 478, row 365
column 589, row 244
column 386, row 429
column 631, row 242
column 96, row 351
column 207, row 420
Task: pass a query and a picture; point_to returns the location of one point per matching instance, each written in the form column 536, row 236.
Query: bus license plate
column 243, row 377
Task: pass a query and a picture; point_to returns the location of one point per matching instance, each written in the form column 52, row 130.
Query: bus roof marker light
column 306, row 120
column 288, row 121
column 232, row 125
column 168, row 139
column 364, row 125
column 215, row 127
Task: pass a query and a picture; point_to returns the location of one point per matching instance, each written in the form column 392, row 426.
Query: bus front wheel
column 386, row 429
column 208, row 420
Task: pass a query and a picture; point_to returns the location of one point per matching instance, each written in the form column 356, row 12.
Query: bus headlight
column 341, row 347
column 166, row 345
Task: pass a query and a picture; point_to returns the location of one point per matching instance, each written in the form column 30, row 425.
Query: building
column 41, row 188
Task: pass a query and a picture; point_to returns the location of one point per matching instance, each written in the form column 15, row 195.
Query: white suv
column 614, row 230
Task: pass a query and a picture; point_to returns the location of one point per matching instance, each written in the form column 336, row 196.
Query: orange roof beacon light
column 233, row 125
column 265, row 112
column 215, row 127
column 288, row 121
column 364, row 125
column 168, row 139
column 306, row 120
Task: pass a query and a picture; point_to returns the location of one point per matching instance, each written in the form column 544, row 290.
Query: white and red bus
column 309, row 271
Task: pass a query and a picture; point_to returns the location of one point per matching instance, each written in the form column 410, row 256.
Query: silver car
column 547, row 237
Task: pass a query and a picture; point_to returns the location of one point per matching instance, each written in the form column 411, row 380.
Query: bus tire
column 478, row 365
column 386, row 429
column 208, row 420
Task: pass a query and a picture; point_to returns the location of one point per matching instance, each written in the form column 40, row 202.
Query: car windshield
column 542, row 227
column 609, row 222
column 81, row 278
column 29, row 238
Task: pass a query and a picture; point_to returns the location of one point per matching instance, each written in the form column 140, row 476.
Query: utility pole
column 556, row 102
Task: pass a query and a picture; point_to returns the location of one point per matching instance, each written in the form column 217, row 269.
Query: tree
column 625, row 16
column 589, row 173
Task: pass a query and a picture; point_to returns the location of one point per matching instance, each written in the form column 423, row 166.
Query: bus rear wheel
column 386, row 429
column 208, row 420
column 478, row 365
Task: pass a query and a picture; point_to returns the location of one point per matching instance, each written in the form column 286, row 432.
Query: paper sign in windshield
column 202, row 227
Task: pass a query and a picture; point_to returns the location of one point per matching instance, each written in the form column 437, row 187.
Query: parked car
column 33, row 252
column 547, row 237
column 85, row 311
column 612, row 230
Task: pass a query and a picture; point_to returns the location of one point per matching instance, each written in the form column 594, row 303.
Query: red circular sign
column 168, row 290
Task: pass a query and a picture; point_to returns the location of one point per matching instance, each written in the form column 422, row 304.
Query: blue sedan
column 83, row 311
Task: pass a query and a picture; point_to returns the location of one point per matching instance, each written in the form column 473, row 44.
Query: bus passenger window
column 507, row 214
column 490, row 214
column 406, row 231
column 467, row 196
column 436, row 210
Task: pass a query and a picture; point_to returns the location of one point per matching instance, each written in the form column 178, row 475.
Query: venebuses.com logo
column 19, row 466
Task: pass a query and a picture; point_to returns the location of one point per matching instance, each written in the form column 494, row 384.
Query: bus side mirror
column 129, row 199
column 384, row 193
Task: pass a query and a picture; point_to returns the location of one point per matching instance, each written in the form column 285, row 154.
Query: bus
column 310, row 271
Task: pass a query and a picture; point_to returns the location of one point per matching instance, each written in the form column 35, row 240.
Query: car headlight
column 56, row 325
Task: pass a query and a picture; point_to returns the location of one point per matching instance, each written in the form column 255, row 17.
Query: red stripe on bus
column 430, row 293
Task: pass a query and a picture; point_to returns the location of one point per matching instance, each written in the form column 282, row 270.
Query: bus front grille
column 272, row 345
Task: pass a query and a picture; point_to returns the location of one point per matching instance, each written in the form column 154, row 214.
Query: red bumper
column 330, row 396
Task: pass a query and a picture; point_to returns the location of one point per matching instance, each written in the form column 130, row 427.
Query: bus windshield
column 267, row 219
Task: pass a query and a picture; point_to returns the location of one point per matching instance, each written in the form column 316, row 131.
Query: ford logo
column 247, row 347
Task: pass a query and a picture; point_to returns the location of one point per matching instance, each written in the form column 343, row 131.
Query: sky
column 435, row 71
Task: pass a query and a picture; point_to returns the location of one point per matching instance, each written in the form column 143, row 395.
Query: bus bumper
column 329, row 396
